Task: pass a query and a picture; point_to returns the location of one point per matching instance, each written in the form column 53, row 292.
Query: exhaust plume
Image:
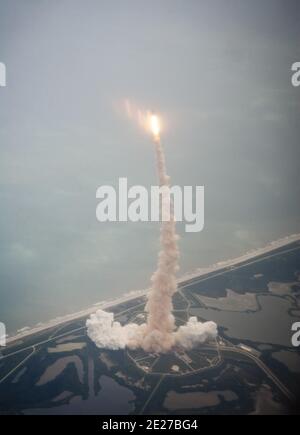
column 161, row 323
column 158, row 333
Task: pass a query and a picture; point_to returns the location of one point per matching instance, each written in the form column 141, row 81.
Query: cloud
column 106, row 333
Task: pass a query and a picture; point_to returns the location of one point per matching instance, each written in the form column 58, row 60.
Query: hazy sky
column 220, row 74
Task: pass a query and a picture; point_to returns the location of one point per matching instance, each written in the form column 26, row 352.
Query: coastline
column 272, row 246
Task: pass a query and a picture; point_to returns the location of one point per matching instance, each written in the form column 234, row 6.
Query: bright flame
column 146, row 119
column 155, row 127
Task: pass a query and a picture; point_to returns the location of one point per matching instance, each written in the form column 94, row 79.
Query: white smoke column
column 159, row 335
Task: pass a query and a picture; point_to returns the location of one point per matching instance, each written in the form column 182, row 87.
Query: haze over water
column 218, row 73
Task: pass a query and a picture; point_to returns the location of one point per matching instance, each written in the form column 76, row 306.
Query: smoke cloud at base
column 110, row 334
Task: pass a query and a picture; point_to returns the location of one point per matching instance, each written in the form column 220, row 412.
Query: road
column 183, row 286
column 263, row 367
column 182, row 283
column 152, row 394
column 51, row 338
column 237, row 267
column 18, row 365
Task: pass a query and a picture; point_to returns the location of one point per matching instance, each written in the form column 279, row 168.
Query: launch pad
column 60, row 368
column 178, row 362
